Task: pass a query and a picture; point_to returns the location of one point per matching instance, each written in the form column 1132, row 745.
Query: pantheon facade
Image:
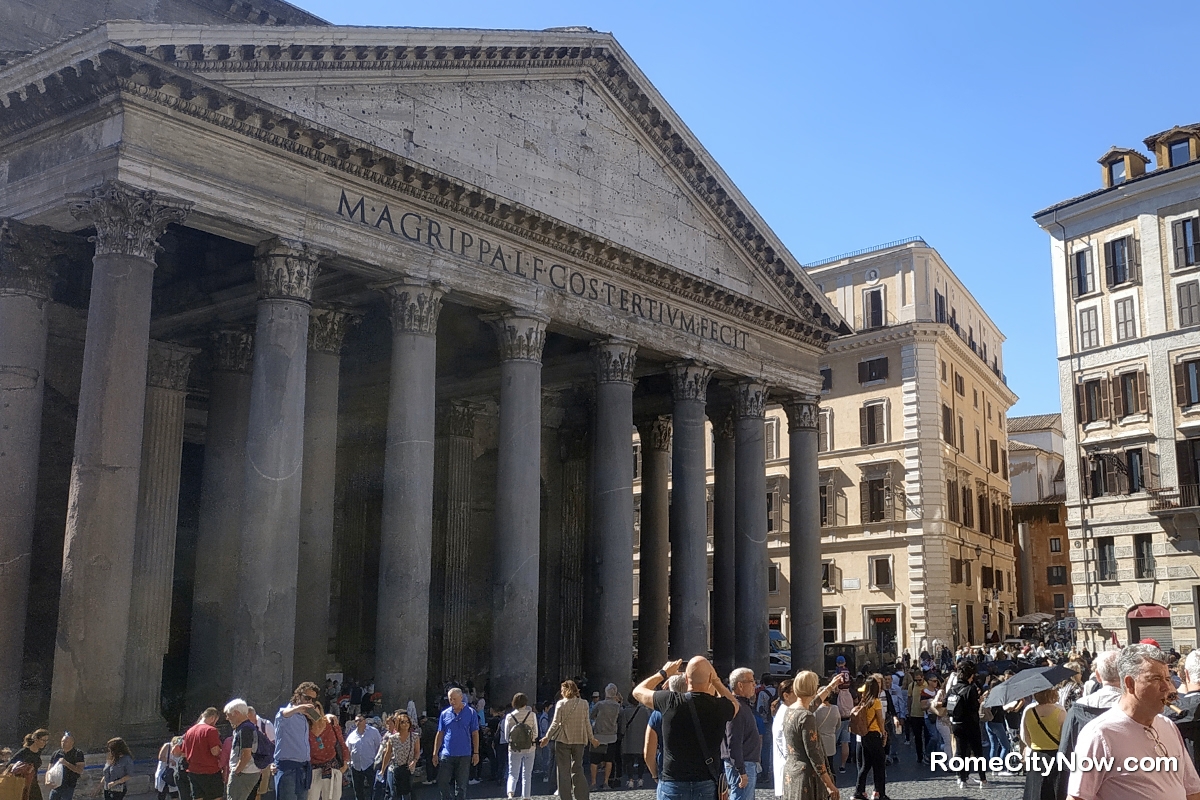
column 326, row 345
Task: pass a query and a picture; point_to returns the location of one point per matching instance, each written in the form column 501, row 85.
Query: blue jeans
column 935, row 736
column 292, row 780
column 456, row 770
column 998, row 743
column 62, row 792
column 735, row 791
column 687, row 790
column 379, row 789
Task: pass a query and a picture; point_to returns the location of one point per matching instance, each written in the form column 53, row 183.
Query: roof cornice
column 134, row 75
column 198, row 49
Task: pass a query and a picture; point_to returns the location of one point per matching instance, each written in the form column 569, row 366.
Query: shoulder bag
column 717, row 773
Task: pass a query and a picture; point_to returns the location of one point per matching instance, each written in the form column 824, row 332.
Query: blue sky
column 852, row 124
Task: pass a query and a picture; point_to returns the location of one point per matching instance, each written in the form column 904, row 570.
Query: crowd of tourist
column 1050, row 715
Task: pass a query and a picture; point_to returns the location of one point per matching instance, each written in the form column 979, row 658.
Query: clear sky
column 852, row 124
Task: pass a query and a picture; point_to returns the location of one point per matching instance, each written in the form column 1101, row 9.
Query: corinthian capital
column 457, row 418
column 615, row 360
column 415, row 305
column 128, row 221
column 286, row 269
column 168, row 364
column 750, row 399
column 520, row 335
column 27, row 256
column 689, row 380
column 802, row 412
column 656, row 434
column 327, row 329
column 232, row 350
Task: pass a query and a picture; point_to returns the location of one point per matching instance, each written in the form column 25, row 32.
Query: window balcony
column 874, row 322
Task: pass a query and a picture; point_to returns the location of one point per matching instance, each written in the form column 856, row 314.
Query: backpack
column 521, row 737
column 845, row 703
column 860, row 718
column 264, row 749
column 958, row 702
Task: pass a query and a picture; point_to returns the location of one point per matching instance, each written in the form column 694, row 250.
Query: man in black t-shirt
column 689, row 767
column 72, row 758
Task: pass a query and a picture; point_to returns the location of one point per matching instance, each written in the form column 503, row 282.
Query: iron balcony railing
column 1167, row 498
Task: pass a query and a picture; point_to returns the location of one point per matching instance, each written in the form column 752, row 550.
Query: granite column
column 575, row 446
column 26, row 254
column 521, row 336
column 406, row 539
column 154, row 542
column 654, row 547
column 264, row 642
column 751, row 646
column 724, row 538
column 458, row 441
column 222, row 486
column 326, row 330
column 689, row 512
column 612, row 510
column 93, row 616
column 808, row 635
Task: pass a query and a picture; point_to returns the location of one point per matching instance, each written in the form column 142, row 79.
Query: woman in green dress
column 806, row 772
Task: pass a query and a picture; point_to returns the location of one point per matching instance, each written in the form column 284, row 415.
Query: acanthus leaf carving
column 750, row 399
column 232, row 350
column 803, row 412
column 327, row 329
column 128, row 221
column 286, row 269
column 27, row 256
column 615, row 360
column 168, row 365
column 520, row 335
column 415, row 306
column 689, row 380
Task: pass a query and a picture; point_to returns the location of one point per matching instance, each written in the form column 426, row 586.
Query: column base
column 146, row 733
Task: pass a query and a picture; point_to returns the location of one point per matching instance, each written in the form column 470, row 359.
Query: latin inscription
column 431, row 232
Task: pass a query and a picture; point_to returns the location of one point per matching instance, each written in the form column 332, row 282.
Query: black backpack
column 264, row 749
column 962, row 702
column 520, row 738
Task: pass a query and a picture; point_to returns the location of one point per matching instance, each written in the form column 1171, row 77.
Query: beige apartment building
column 916, row 515
column 1126, row 274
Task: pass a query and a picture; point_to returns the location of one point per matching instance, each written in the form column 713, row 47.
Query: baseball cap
column 1149, row 641
column 841, row 659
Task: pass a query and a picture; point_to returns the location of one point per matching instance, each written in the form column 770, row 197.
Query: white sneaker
column 982, row 782
column 473, row 782
column 961, row 783
column 1005, row 773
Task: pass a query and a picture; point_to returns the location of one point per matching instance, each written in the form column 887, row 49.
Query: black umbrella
column 1027, row 683
column 999, row 667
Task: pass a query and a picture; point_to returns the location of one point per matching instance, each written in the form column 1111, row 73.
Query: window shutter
column 843, row 511
column 1181, row 387
column 1118, row 398
column 1143, row 400
column 1183, row 463
column 1085, row 477
column 889, row 499
column 1194, row 224
column 1074, row 261
column 1110, row 273
column 883, row 370
column 1105, row 411
column 1133, row 257
column 862, row 372
column 1004, row 464
column 881, row 424
column 822, row 433
column 1080, row 407
column 864, row 502
column 1111, row 483
column 776, row 512
column 1179, row 239
column 1150, row 471
column 864, row 434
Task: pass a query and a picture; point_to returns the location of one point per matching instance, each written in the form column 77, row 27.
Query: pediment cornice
column 161, row 77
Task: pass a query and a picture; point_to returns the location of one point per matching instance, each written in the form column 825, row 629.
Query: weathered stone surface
column 724, row 605
column 751, row 646
column 808, row 642
column 654, row 546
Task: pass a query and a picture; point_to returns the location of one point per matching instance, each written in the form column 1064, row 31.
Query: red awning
column 1148, row 611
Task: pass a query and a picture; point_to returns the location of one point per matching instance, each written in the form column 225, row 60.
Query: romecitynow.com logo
column 1064, row 762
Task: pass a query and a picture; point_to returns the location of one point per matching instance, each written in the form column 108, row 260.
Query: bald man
column 706, row 705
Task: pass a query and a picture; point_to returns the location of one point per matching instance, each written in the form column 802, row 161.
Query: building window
column 999, row 581
column 637, row 460
column 962, row 436
column 1119, row 265
column 829, row 624
column 1055, row 544
column 967, row 572
column 1091, row 400
column 985, row 578
column 978, row 447
column 1189, row 304
column 874, row 505
column 1060, row 601
column 1089, row 328
column 771, row 438
column 985, row 519
column 874, row 370
column 960, row 385
column 873, row 310
column 975, row 398
column 1116, row 172
column 825, row 430
column 826, row 379
column 1185, row 234
column 831, row 577
column 956, row 571
column 824, row 492
column 1056, row 576
column 952, row 500
column 947, row 425
column 1135, row 470
column 773, row 579
column 872, row 420
column 881, row 572
column 1004, row 464
column 1106, row 559
column 1179, row 153
column 939, row 306
column 1083, row 275
column 1143, row 551
column 944, row 379
column 1129, row 394
column 1187, row 383
column 968, row 507
column 1126, row 319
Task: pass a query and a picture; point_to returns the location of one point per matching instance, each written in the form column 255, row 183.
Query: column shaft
column 518, row 503
column 751, row 647
column 265, row 621
column 93, row 615
column 612, row 510
column 724, row 538
column 459, row 422
column 574, row 534
column 25, row 255
column 654, row 547
column 222, row 486
column 689, row 513
column 326, row 330
column 154, row 540
column 402, row 627
column 808, row 641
